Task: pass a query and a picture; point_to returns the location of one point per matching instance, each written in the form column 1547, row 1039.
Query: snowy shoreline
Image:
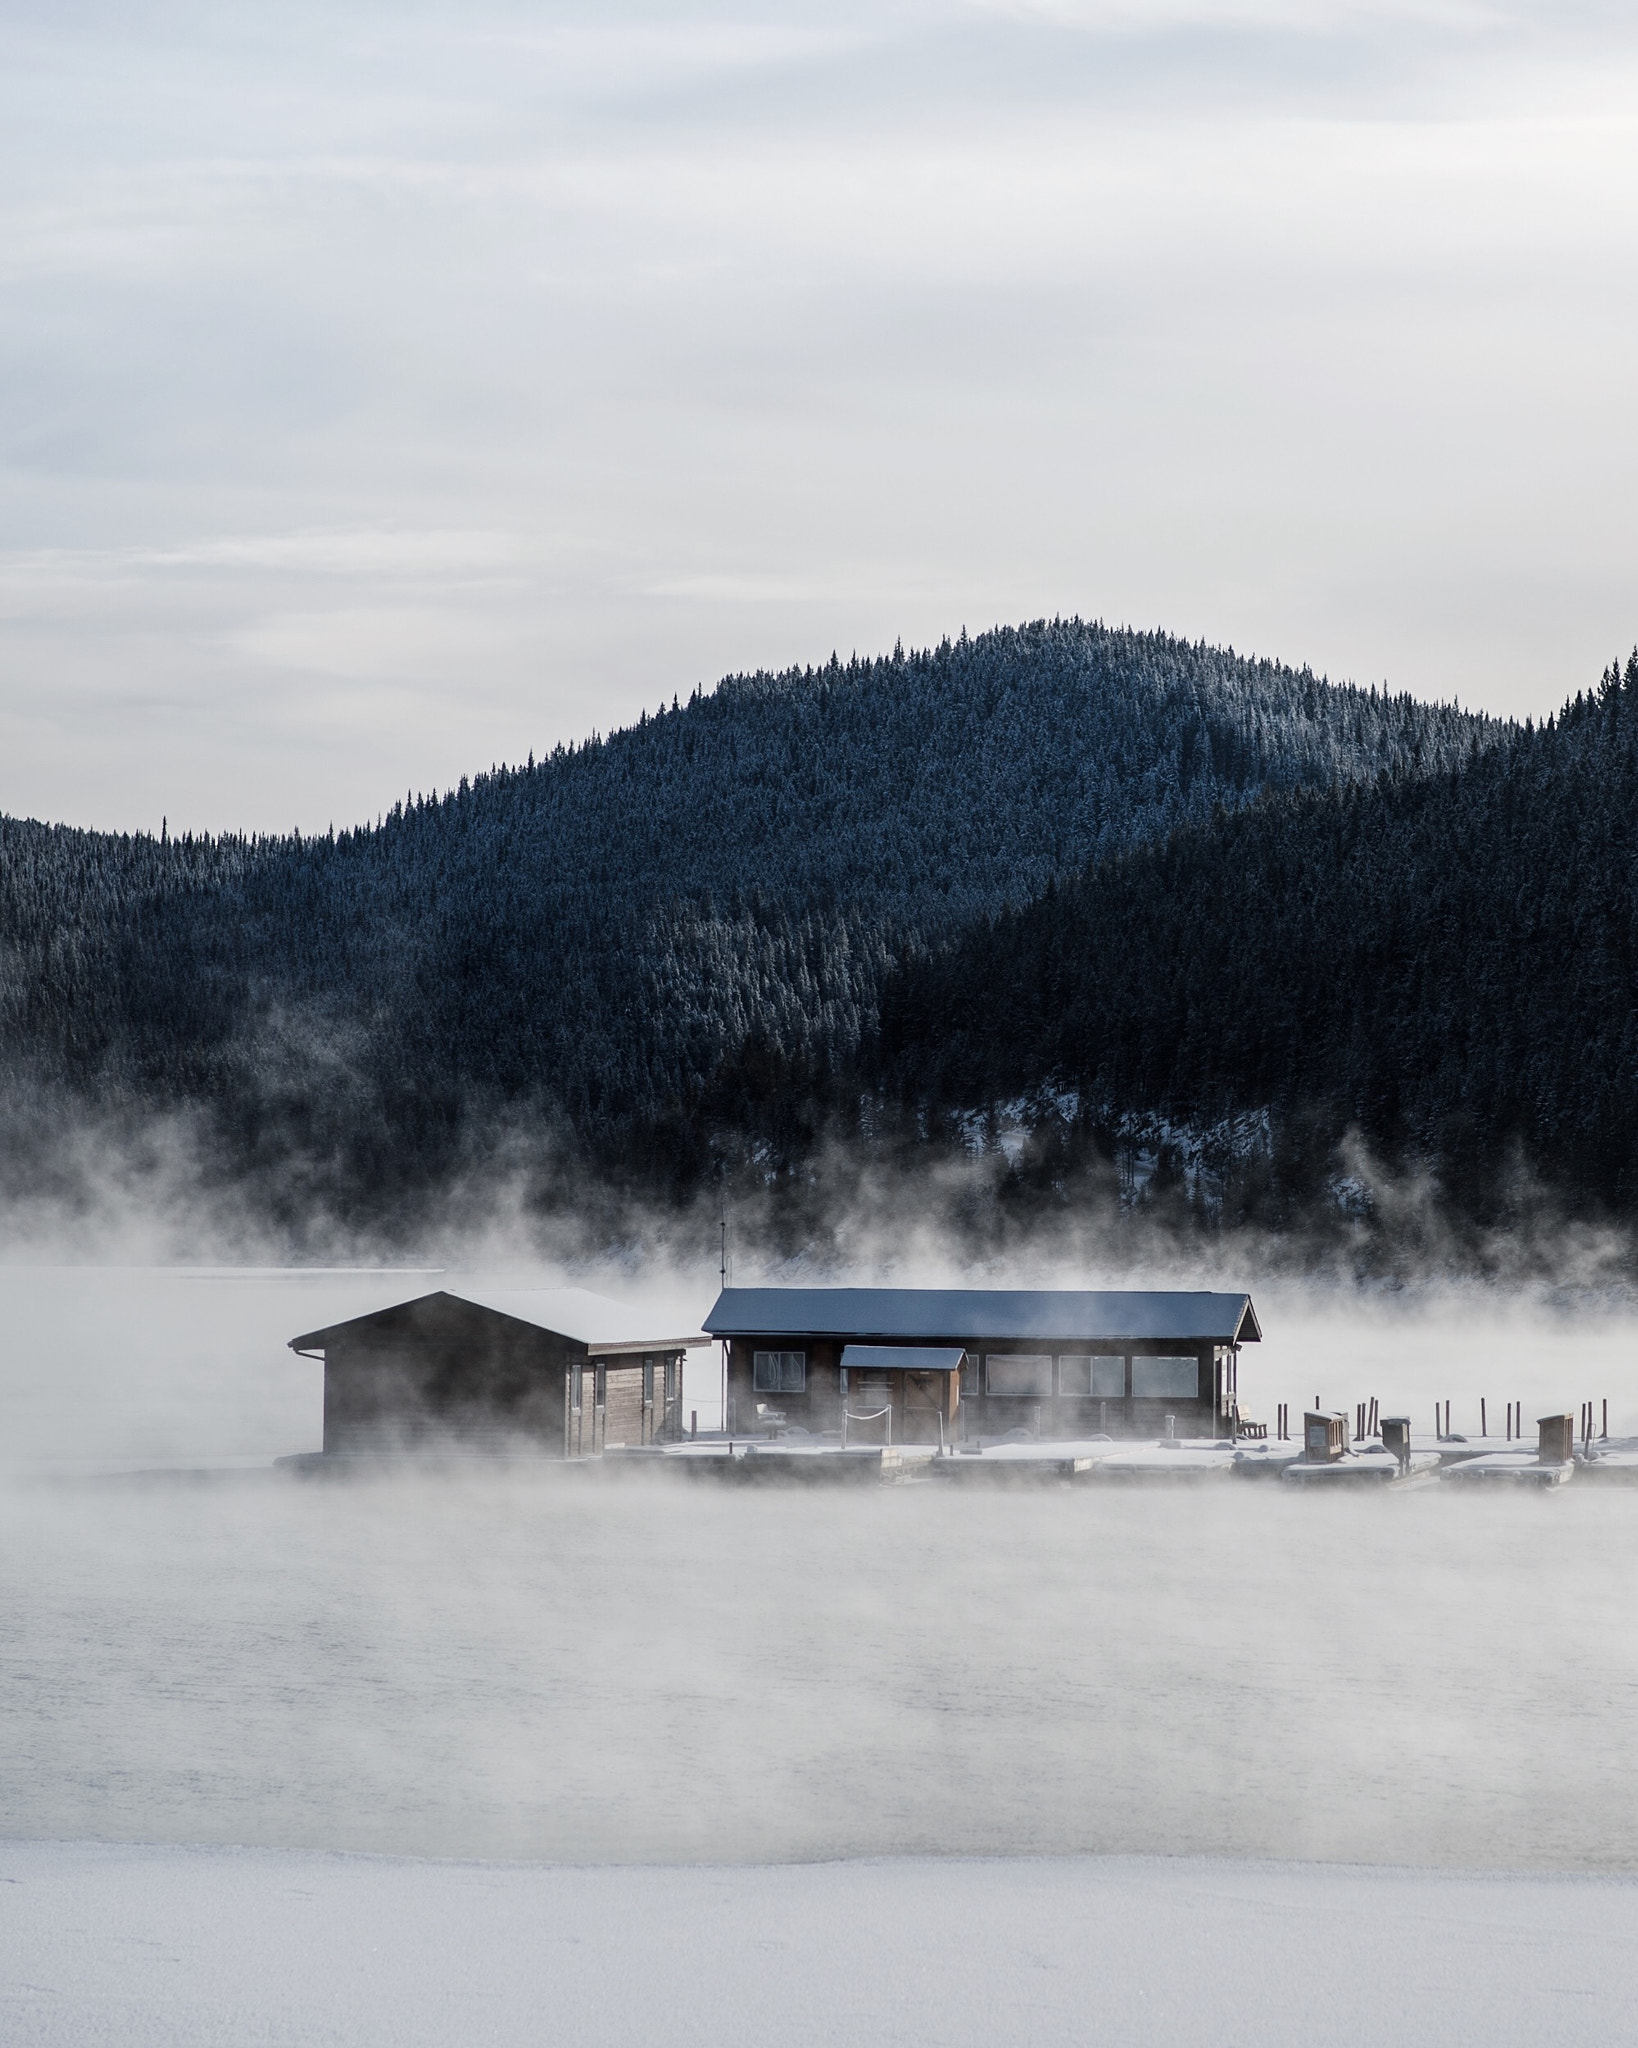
column 181, row 1946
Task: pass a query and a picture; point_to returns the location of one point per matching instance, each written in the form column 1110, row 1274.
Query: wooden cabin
column 557, row 1369
column 935, row 1364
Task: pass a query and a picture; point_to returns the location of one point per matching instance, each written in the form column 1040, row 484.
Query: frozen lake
column 178, row 1949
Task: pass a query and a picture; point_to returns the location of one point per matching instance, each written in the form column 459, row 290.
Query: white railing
column 867, row 1415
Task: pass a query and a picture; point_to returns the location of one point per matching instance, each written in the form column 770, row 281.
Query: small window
column 1170, row 1379
column 673, row 1377
column 600, row 1384
column 648, row 1381
column 1018, row 1372
column 969, row 1372
column 576, row 1378
column 1100, row 1376
column 779, row 1372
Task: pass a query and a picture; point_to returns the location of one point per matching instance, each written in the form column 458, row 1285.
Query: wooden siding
column 624, row 1419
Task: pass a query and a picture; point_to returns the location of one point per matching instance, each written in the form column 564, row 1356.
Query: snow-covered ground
column 174, row 1948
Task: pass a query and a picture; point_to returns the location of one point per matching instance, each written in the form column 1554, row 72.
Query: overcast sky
column 390, row 389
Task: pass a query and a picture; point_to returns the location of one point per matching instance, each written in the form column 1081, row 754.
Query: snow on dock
column 1366, row 1465
column 1611, row 1463
column 1509, row 1468
column 1171, row 1460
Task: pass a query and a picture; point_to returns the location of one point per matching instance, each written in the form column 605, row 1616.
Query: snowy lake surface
column 190, row 1949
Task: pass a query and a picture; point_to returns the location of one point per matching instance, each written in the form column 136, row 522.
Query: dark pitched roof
column 572, row 1312
column 961, row 1313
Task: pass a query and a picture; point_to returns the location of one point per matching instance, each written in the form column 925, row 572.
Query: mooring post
column 1606, row 1433
column 1484, row 1424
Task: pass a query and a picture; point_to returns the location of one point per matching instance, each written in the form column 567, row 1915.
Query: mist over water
column 558, row 1666
column 523, row 1662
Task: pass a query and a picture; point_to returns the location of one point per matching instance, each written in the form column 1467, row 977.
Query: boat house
column 559, row 1369
column 927, row 1365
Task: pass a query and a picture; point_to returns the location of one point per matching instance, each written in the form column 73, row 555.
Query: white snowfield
column 197, row 1948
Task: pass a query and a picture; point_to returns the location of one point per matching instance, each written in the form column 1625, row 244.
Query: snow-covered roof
column 962, row 1313
column 901, row 1358
column 572, row 1312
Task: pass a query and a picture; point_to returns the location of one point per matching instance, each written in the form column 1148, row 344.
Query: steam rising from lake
column 550, row 1665
column 557, row 1664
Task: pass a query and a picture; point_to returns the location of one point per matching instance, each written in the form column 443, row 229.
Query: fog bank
column 550, row 1666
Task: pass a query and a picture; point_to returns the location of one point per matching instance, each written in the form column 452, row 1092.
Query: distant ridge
column 664, row 947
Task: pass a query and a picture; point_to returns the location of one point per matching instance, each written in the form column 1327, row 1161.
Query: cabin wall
column 971, row 1410
column 1129, row 1414
column 624, row 1418
column 817, row 1408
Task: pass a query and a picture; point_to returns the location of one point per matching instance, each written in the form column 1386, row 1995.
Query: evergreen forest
column 1087, row 882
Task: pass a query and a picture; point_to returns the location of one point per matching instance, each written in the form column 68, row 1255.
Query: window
column 1018, row 1372
column 969, row 1372
column 576, row 1376
column 1166, row 1378
column 673, row 1377
column 1102, row 1375
column 648, row 1382
column 779, row 1372
column 600, row 1383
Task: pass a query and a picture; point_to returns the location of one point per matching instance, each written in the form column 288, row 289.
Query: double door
column 586, row 1411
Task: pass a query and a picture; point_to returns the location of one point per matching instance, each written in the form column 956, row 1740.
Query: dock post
column 1484, row 1422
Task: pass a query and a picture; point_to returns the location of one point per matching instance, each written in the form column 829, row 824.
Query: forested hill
column 1447, row 964
column 655, row 942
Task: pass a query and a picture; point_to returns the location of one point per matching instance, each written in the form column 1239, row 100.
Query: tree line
column 663, row 953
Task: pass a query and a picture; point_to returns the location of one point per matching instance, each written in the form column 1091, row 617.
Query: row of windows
column 1094, row 1375
column 1098, row 1375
